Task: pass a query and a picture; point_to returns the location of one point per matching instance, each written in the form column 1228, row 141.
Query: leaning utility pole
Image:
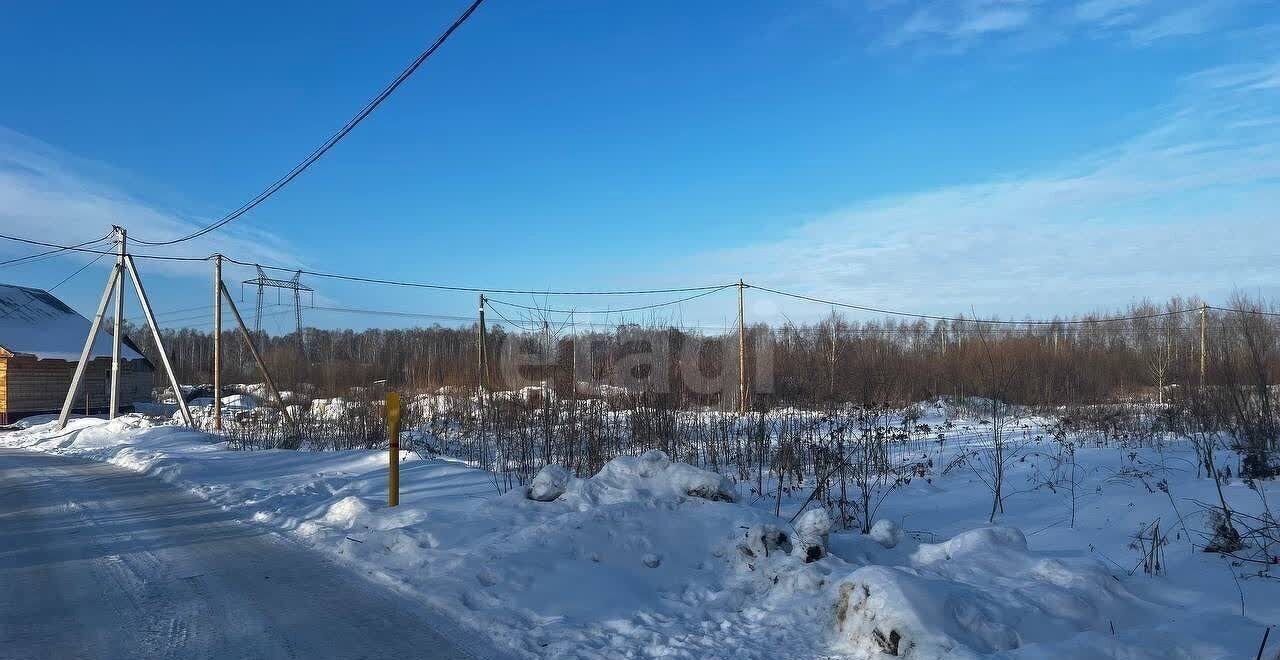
column 1204, row 314
column 88, row 348
column 257, row 358
column 482, row 358
column 742, row 352
column 117, row 331
column 217, row 342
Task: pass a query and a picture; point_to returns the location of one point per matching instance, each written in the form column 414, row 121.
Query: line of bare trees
column 831, row 361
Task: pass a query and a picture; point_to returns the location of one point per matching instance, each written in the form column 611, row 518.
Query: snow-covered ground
column 630, row 564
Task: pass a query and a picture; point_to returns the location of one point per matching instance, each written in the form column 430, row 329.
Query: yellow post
column 393, row 441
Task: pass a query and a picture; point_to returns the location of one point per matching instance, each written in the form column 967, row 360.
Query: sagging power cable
column 333, row 139
column 959, row 319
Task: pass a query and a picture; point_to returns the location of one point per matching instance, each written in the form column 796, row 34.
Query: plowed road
column 98, row 562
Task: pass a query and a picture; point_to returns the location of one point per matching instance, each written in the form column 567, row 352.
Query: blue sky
column 1006, row 158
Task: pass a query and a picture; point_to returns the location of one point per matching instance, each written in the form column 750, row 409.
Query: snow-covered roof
column 33, row 322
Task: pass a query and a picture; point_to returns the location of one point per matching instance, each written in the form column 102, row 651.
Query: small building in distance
column 40, row 343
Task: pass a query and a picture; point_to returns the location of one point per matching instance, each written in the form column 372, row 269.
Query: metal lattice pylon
column 294, row 284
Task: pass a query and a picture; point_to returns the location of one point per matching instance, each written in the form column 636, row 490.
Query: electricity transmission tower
column 263, row 283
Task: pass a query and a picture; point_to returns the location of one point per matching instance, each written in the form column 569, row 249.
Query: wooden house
column 40, row 343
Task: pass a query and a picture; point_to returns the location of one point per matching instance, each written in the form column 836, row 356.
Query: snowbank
column 984, row 592
column 625, row 564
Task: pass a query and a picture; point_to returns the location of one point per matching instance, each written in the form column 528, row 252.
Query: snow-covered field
column 630, row 564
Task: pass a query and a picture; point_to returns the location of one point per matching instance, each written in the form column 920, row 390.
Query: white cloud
column 1108, row 12
column 50, row 195
column 1188, row 21
column 1190, row 206
column 961, row 23
column 954, row 26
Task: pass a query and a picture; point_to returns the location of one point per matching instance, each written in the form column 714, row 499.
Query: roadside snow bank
column 984, row 592
column 639, row 560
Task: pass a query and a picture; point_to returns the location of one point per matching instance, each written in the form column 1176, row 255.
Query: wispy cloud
column 961, row 23
column 52, row 195
column 1187, row 21
column 955, row 26
column 1188, row 206
column 1109, row 13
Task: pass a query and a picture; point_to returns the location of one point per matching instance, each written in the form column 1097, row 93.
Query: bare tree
column 1005, row 446
column 1157, row 341
column 1248, row 357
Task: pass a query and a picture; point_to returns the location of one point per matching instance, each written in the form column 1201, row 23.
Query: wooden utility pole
column 124, row 263
column 742, row 351
column 217, row 342
column 831, row 365
column 482, row 358
column 1204, row 335
column 393, row 444
column 117, row 330
column 88, row 347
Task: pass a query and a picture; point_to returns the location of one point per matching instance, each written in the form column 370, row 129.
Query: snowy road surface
column 100, row 562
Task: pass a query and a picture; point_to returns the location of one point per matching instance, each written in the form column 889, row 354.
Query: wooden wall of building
column 29, row 386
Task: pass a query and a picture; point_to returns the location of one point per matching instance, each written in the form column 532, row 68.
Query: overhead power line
column 374, row 280
column 87, row 250
column 31, row 258
column 931, row 317
column 699, row 291
column 477, row 289
column 1244, row 311
column 333, row 139
column 54, row 287
column 384, row 312
column 638, row 308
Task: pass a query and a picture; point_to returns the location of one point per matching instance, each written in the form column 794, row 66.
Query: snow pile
column 651, row 475
column 201, row 408
column 531, row 395
column 600, row 390
column 331, row 409
column 259, row 390
column 886, row 533
column 983, row 592
column 550, row 483
column 813, row 530
column 164, row 394
column 239, row 402
column 622, row 564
